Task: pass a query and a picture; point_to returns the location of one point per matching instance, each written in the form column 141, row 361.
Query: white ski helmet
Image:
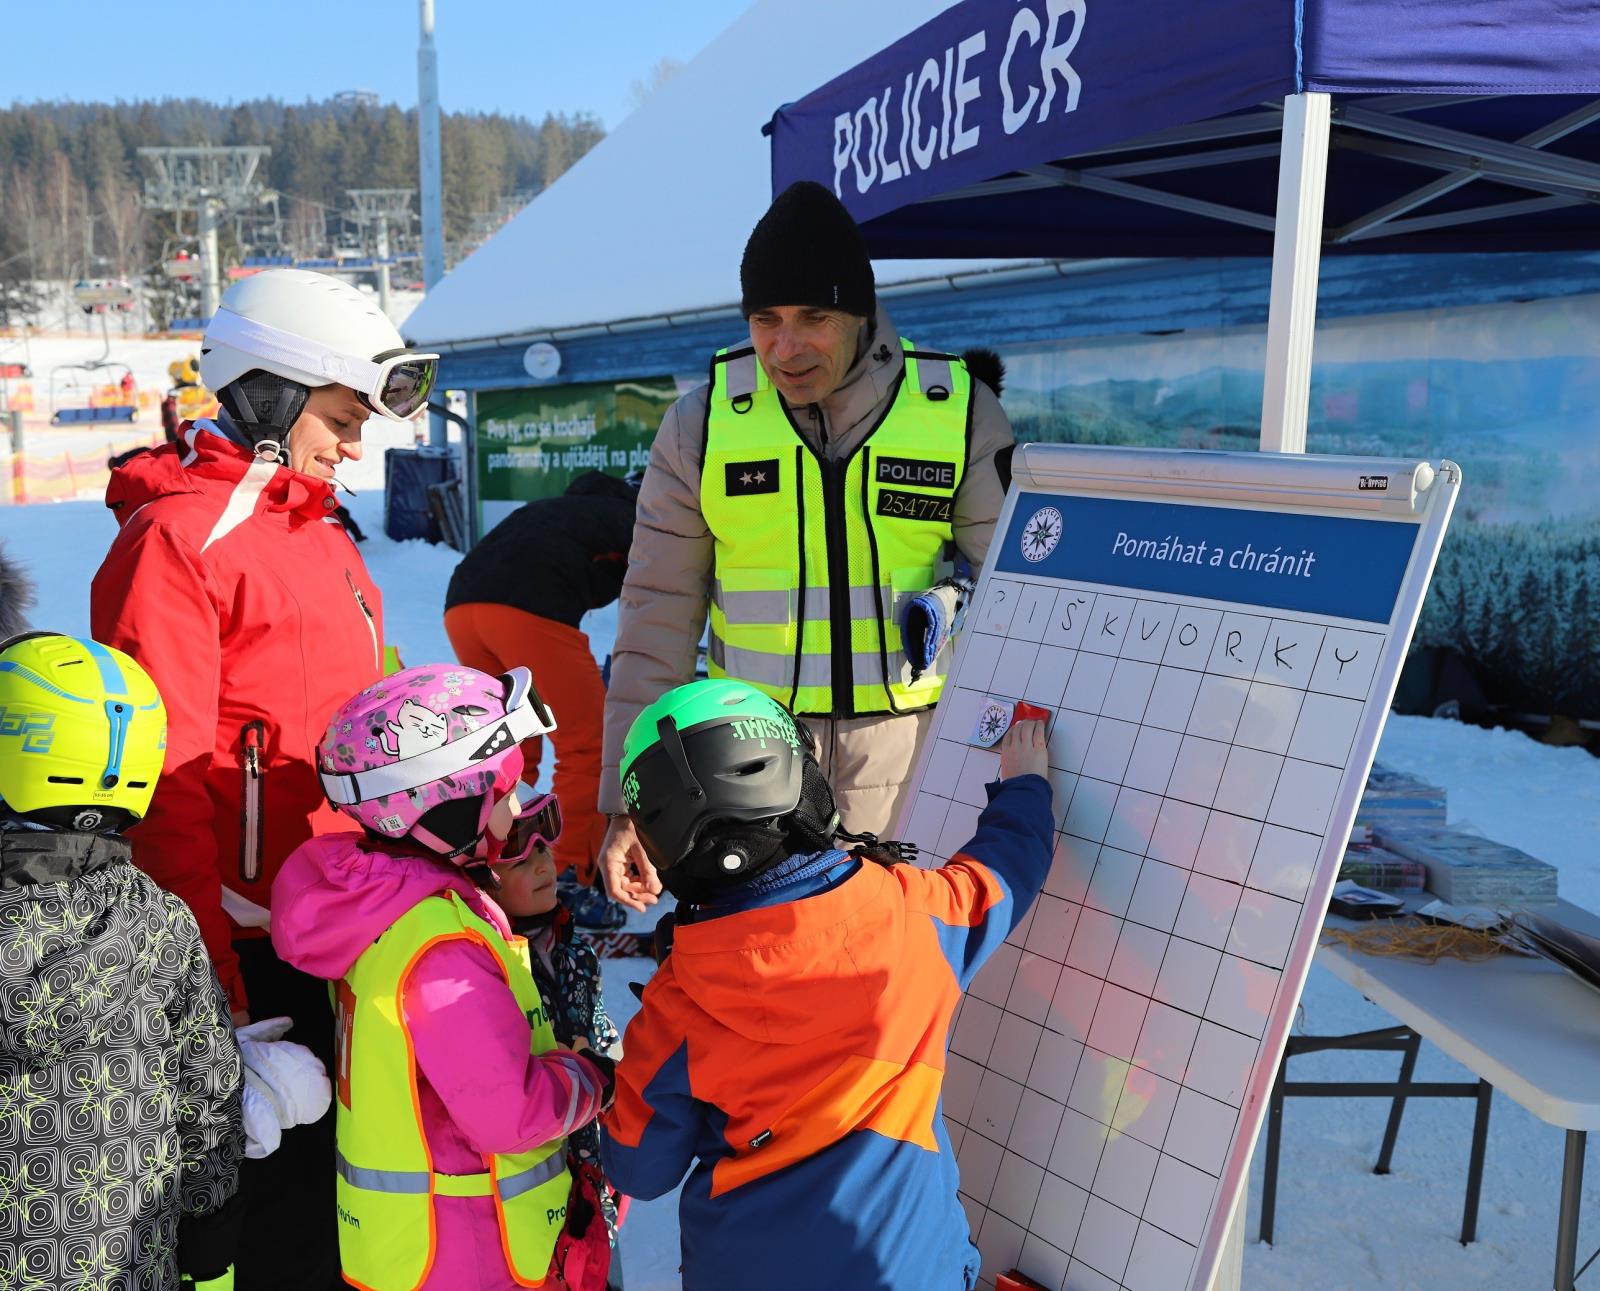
column 308, row 330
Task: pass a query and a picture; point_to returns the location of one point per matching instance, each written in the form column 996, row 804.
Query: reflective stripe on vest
column 778, row 607
column 384, row 1176
column 815, row 559
column 450, row 1185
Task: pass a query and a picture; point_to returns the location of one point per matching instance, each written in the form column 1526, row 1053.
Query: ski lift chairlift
column 81, row 412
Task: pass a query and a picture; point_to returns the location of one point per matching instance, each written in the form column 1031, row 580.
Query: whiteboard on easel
column 1216, row 638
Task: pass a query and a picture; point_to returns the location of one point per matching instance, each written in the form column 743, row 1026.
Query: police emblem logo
column 1041, row 534
column 993, row 722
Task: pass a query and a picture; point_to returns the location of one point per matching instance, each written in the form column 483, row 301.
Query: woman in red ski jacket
column 233, row 584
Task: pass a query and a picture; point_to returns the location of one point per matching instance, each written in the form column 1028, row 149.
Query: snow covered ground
column 1339, row 1227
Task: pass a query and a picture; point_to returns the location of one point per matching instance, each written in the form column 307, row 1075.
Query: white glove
column 284, row 1084
column 262, row 1133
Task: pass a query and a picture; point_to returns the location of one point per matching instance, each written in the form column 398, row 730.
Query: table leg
column 1571, row 1201
column 1269, row 1178
column 1391, row 1131
column 1480, row 1143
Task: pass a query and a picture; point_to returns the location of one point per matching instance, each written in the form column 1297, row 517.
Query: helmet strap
column 881, row 851
column 814, row 823
column 263, row 408
column 483, row 876
column 450, row 831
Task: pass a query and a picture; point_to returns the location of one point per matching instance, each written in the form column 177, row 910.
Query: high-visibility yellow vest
column 386, row 1182
column 815, row 558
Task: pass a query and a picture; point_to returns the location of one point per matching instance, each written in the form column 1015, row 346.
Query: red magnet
column 997, row 716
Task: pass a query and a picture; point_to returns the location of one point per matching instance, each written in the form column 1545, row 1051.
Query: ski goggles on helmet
column 540, row 822
column 399, row 384
column 526, row 715
column 394, row 383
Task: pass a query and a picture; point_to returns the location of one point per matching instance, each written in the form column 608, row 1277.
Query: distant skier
column 789, row 1053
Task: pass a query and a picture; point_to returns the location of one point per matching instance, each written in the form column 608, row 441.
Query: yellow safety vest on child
column 386, row 1182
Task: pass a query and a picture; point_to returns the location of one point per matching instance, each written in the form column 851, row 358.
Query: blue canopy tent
column 1295, row 128
column 1088, row 128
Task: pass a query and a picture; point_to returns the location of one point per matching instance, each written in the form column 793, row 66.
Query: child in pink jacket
column 426, row 965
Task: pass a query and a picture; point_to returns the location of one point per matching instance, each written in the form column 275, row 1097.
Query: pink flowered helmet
column 426, row 753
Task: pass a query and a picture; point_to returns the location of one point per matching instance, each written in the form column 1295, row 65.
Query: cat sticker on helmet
column 414, row 729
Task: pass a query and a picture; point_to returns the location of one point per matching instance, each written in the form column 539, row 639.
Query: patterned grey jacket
column 119, row 1073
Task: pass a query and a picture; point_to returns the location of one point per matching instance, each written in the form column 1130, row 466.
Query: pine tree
column 394, row 153
column 1581, row 644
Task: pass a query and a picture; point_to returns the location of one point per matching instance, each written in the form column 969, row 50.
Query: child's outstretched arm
column 986, row 888
column 472, row 1045
column 206, row 1103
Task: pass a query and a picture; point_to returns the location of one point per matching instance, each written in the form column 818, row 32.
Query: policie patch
column 917, row 473
column 913, row 506
column 746, row 478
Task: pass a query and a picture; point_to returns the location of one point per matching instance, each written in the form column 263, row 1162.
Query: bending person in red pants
column 516, row 600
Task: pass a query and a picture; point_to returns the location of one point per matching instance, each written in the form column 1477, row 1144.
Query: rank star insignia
column 747, row 479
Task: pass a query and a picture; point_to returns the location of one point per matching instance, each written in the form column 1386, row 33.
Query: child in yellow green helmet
column 787, row 1062
column 119, row 1070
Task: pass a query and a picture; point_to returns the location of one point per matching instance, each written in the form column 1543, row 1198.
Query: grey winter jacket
column 119, row 1073
column 668, row 585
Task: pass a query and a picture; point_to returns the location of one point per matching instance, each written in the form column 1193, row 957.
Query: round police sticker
column 1041, row 534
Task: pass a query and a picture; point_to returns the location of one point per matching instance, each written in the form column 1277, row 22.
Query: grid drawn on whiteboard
column 1098, row 1061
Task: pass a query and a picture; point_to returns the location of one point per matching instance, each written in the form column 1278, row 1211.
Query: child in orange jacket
column 790, row 1053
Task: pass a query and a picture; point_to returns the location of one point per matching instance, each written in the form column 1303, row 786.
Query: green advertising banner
column 532, row 443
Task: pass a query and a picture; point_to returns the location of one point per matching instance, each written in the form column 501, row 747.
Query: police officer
column 828, row 470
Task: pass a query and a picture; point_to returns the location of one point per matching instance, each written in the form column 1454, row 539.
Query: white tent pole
column 431, row 177
column 1296, row 258
column 1286, row 395
column 428, row 164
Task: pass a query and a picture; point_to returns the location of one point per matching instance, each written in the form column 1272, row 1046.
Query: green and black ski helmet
column 714, row 752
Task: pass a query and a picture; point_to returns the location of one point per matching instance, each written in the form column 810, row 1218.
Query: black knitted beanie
column 806, row 250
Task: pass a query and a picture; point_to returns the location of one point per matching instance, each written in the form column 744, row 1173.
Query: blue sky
column 517, row 56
